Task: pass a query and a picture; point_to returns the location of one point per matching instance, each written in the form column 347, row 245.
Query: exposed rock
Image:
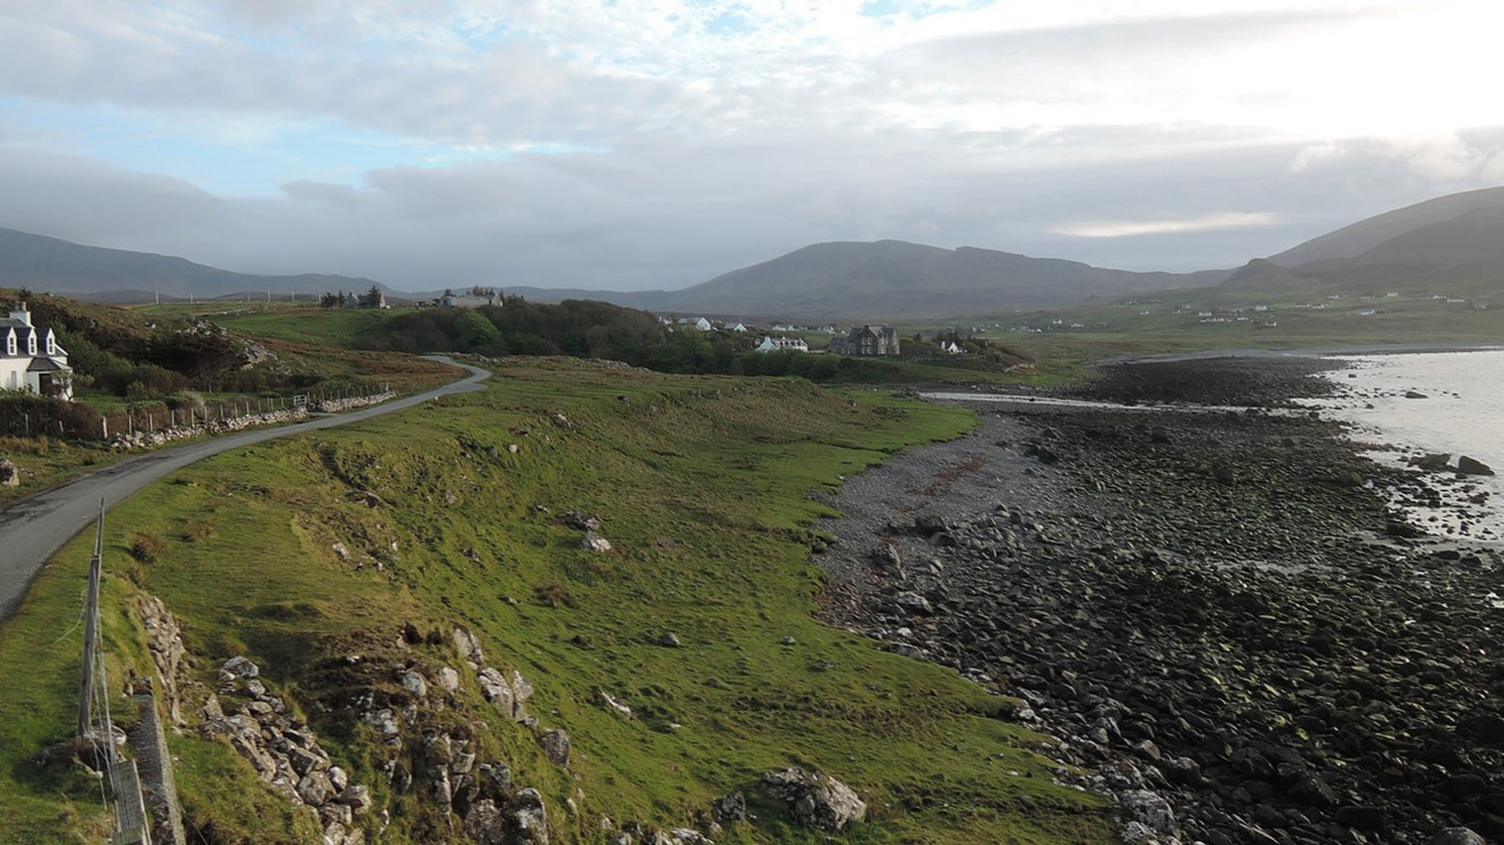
column 615, row 706
column 582, row 521
column 1471, row 466
column 495, row 689
column 1456, row 836
column 594, row 542
column 912, row 602
column 449, row 679
column 1151, row 810
column 556, row 746
column 1415, row 394
column 815, row 799
column 468, row 647
column 10, row 476
column 730, row 809
column 527, row 822
column 238, row 667
column 669, row 640
column 414, row 683
column 1433, row 462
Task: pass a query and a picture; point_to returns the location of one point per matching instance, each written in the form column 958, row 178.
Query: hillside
column 42, row 263
column 369, row 545
column 1453, row 246
column 900, row 279
column 1355, row 239
column 841, row 280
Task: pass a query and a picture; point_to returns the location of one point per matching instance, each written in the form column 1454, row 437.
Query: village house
column 950, row 347
column 867, row 341
column 782, row 344
column 476, row 297
column 704, row 325
column 31, row 359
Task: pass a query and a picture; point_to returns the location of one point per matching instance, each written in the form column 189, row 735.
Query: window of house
column 10, row 344
column 51, row 345
column 31, row 345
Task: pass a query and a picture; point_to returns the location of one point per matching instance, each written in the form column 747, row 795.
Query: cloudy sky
column 655, row 143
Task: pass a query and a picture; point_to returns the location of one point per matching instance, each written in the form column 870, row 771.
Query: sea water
column 1462, row 414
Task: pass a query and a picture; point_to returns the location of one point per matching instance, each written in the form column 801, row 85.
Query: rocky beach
column 1223, row 616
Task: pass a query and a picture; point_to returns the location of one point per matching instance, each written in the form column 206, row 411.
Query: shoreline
column 1216, row 613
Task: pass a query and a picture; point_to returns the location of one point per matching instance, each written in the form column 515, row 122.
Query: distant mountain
column 59, row 266
column 900, row 279
column 1358, row 238
column 1452, row 245
column 885, row 279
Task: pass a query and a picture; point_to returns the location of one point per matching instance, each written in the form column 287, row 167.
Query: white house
column 704, row 325
column 782, row 344
column 31, row 359
column 738, row 328
column 949, row 347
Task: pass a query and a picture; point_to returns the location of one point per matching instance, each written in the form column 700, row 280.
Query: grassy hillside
column 704, row 487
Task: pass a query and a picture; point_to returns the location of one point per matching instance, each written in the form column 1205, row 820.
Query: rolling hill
column 896, row 278
column 1355, row 239
column 1452, row 245
column 119, row 275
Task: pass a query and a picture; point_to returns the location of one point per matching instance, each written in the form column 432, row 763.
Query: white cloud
column 1201, row 223
column 658, row 142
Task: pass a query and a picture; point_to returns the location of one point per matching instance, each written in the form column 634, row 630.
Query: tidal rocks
column 1471, row 466
column 1433, row 462
column 1258, row 652
column 1415, row 394
column 1456, row 836
column 815, row 799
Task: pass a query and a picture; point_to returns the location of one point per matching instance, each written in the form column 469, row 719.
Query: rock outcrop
column 815, row 799
column 284, row 751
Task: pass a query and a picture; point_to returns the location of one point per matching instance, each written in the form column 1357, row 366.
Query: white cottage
column 31, row 359
column 782, row 344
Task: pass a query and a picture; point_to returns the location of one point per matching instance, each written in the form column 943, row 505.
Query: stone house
column 867, row 342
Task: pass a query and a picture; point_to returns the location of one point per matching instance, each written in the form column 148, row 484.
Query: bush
column 145, row 548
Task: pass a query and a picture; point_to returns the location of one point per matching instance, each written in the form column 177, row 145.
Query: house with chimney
column 867, row 341
column 31, row 359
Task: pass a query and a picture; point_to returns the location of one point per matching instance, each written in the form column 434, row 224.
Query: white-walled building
column 782, row 344
column 31, row 359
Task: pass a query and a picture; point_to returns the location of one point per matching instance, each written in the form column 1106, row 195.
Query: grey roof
column 43, row 364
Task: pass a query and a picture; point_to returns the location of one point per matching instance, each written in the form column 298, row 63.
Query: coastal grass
column 706, row 486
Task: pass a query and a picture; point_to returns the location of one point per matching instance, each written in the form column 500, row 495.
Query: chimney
column 21, row 314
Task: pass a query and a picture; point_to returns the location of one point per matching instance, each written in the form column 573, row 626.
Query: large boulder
column 527, row 821
column 815, row 799
column 1472, row 466
column 1433, row 462
column 9, row 475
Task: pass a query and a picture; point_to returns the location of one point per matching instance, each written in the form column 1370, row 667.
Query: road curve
column 34, row 528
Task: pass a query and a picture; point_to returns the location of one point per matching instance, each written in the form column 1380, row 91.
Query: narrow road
column 34, row 528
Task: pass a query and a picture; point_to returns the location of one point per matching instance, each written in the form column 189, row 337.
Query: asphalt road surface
column 34, row 528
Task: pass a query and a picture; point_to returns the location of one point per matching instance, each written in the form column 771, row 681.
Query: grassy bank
column 704, row 486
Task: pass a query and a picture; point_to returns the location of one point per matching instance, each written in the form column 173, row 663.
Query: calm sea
column 1462, row 414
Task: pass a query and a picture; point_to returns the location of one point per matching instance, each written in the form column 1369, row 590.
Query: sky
column 637, row 144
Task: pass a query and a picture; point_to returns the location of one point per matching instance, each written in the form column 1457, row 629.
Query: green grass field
column 703, row 483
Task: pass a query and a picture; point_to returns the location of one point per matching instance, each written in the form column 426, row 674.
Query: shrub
column 145, row 548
